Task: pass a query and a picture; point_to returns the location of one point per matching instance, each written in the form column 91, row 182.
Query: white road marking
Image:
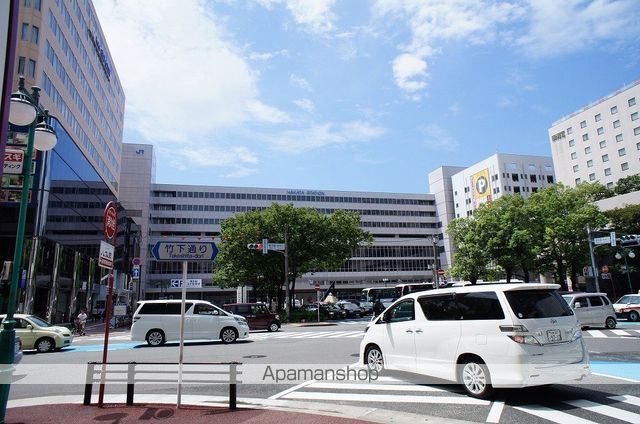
column 495, row 412
column 633, row 400
column 373, row 386
column 552, row 415
column 620, row 332
column 364, row 397
column 596, row 333
column 609, row 411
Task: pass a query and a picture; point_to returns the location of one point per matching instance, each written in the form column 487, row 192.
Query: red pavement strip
column 165, row 414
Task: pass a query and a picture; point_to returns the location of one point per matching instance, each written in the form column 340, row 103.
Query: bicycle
column 78, row 328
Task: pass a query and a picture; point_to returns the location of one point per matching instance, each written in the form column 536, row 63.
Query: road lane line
column 373, row 386
column 633, row 400
column 596, row 333
column 552, row 415
column 609, row 411
column 362, row 397
column 620, row 332
column 495, row 412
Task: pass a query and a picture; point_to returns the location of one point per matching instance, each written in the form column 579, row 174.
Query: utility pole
column 593, row 259
column 286, row 271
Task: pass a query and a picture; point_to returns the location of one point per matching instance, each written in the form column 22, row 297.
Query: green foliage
column 627, row 184
column 625, row 220
column 470, row 260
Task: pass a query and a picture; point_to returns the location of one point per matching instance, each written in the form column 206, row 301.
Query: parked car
column 628, row 306
column 36, row 333
column 17, row 350
column 351, row 309
column 592, row 309
column 257, row 315
column 507, row 335
column 158, row 321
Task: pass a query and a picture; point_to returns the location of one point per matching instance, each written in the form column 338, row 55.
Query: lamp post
column 624, row 255
column 25, row 110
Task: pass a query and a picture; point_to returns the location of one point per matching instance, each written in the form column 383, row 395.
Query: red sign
column 440, row 271
column 605, row 269
column 13, row 159
column 317, row 286
column 110, row 220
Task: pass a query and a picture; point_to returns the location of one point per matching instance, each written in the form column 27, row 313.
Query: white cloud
column 268, row 55
column 454, row 109
column 305, row 104
column 298, row 81
column 438, row 138
column 183, row 78
column 409, row 72
column 321, row 135
column 315, row 15
column 238, row 158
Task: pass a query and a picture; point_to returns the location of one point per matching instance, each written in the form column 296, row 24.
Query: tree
column 315, row 242
column 627, row 184
column 471, row 258
column 625, row 220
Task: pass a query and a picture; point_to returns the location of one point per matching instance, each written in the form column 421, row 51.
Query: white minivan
column 158, row 321
column 482, row 336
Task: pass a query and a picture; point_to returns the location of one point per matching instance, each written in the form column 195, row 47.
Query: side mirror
column 29, row 327
column 577, row 305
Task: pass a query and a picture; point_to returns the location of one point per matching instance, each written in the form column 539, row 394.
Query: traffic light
column 254, row 246
column 630, row 240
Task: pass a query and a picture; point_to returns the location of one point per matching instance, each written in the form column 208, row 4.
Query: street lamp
column 25, row 110
column 626, row 267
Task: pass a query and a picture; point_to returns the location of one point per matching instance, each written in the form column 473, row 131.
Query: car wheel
column 45, row 344
column 375, row 361
column 610, row 323
column 634, row 316
column 474, row 377
column 228, row 335
column 273, row 327
column 155, row 338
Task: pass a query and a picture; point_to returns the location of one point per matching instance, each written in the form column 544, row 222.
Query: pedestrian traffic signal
column 254, row 246
column 630, row 240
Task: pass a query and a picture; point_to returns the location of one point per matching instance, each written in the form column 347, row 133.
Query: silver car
column 592, row 309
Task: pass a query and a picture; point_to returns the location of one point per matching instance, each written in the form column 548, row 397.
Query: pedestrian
column 82, row 320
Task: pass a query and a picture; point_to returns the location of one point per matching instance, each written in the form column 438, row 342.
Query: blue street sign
column 135, row 273
column 184, row 251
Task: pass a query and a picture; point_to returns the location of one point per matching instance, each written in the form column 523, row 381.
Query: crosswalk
column 307, row 335
column 611, row 333
column 385, row 392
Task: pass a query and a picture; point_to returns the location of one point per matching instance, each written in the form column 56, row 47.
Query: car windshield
column 527, row 304
column 39, row 321
column 567, row 298
column 629, row 299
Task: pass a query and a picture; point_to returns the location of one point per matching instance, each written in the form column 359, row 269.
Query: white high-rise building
column 600, row 142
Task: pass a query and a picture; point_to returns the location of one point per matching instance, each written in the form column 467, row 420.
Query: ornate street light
column 624, row 255
column 25, row 110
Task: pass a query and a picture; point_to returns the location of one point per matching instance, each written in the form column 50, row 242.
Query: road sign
column 265, row 246
column 105, row 260
column 275, row 246
column 184, row 251
column 110, row 220
column 601, row 240
column 135, row 272
column 317, row 286
column 605, row 276
column 136, row 261
column 441, row 272
column 612, row 234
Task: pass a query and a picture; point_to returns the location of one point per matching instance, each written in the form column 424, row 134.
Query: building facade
column 600, row 142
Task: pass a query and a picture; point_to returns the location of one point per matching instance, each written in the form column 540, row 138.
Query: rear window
column 528, row 304
column 163, row 308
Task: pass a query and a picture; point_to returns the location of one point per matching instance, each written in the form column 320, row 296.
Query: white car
column 592, row 309
column 158, row 321
column 484, row 336
column 628, row 306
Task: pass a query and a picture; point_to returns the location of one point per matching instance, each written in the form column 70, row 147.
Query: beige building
column 61, row 49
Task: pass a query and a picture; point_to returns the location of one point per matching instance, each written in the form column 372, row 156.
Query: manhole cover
column 255, row 356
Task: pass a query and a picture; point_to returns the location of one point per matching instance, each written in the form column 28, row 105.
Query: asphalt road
column 610, row 395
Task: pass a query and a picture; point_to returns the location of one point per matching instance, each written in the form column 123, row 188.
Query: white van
column 482, row 336
column 158, row 321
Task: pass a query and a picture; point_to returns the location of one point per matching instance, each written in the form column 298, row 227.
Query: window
column 37, row 4
column 403, row 311
column 27, row 3
column 605, row 158
column 590, row 163
column 632, row 101
column 592, row 177
column 32, row 68
column 614, row 110
column 616, row 123
column 618, row 138
column 636, row 131
column 574, row 155
column 439, row 308
column 514, row 177
column 572, row 143
column 537, row 304
column 634, row 116
column 622, row 152
column 600, row 131
column 550, row 179
column 570, row 130
column 607, row 171
column 479, row 306
column 533, row 178
column 603, row 144
column 35, row 33
column 609, row 185
column 576, row 168
column 21, row 62
column 624, row 166
column 585, row 137
column 583, row 124
column 587, row 150
column 204, row 309
column 595, row 301
column 577, row 181
column 24, row 36
column 637, row 146
column 598, row 118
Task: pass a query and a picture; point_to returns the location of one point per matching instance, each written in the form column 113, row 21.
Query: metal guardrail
column 142, row 372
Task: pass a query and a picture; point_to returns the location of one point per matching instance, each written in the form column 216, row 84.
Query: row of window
column 289, row 197
column 395, row 251
column 53, row 93
column 31, row 68
column 598, row 117
column 217, row 221
column 607, row 172
column 35, row 33
column 389, row 265
column 37, row 4
column 82, row 190
column 167, row 267
column 603, row 143
column 605, row 158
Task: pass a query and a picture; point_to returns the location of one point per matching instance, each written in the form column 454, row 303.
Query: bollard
column 233, row 373
column 131, row 378
column 88, row 385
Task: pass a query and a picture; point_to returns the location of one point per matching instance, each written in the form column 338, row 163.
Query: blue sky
column 353, row 94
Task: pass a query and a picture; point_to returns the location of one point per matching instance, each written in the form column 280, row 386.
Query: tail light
column 526, row 339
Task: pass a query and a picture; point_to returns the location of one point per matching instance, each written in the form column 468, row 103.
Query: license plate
column 553, row 335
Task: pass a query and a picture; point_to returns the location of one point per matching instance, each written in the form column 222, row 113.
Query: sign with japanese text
column 184, row 251
column 105, row 260
column 110, row 220
column 192, row 283
column 13, row 159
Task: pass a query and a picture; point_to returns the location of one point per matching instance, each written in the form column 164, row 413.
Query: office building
column 600, row 142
